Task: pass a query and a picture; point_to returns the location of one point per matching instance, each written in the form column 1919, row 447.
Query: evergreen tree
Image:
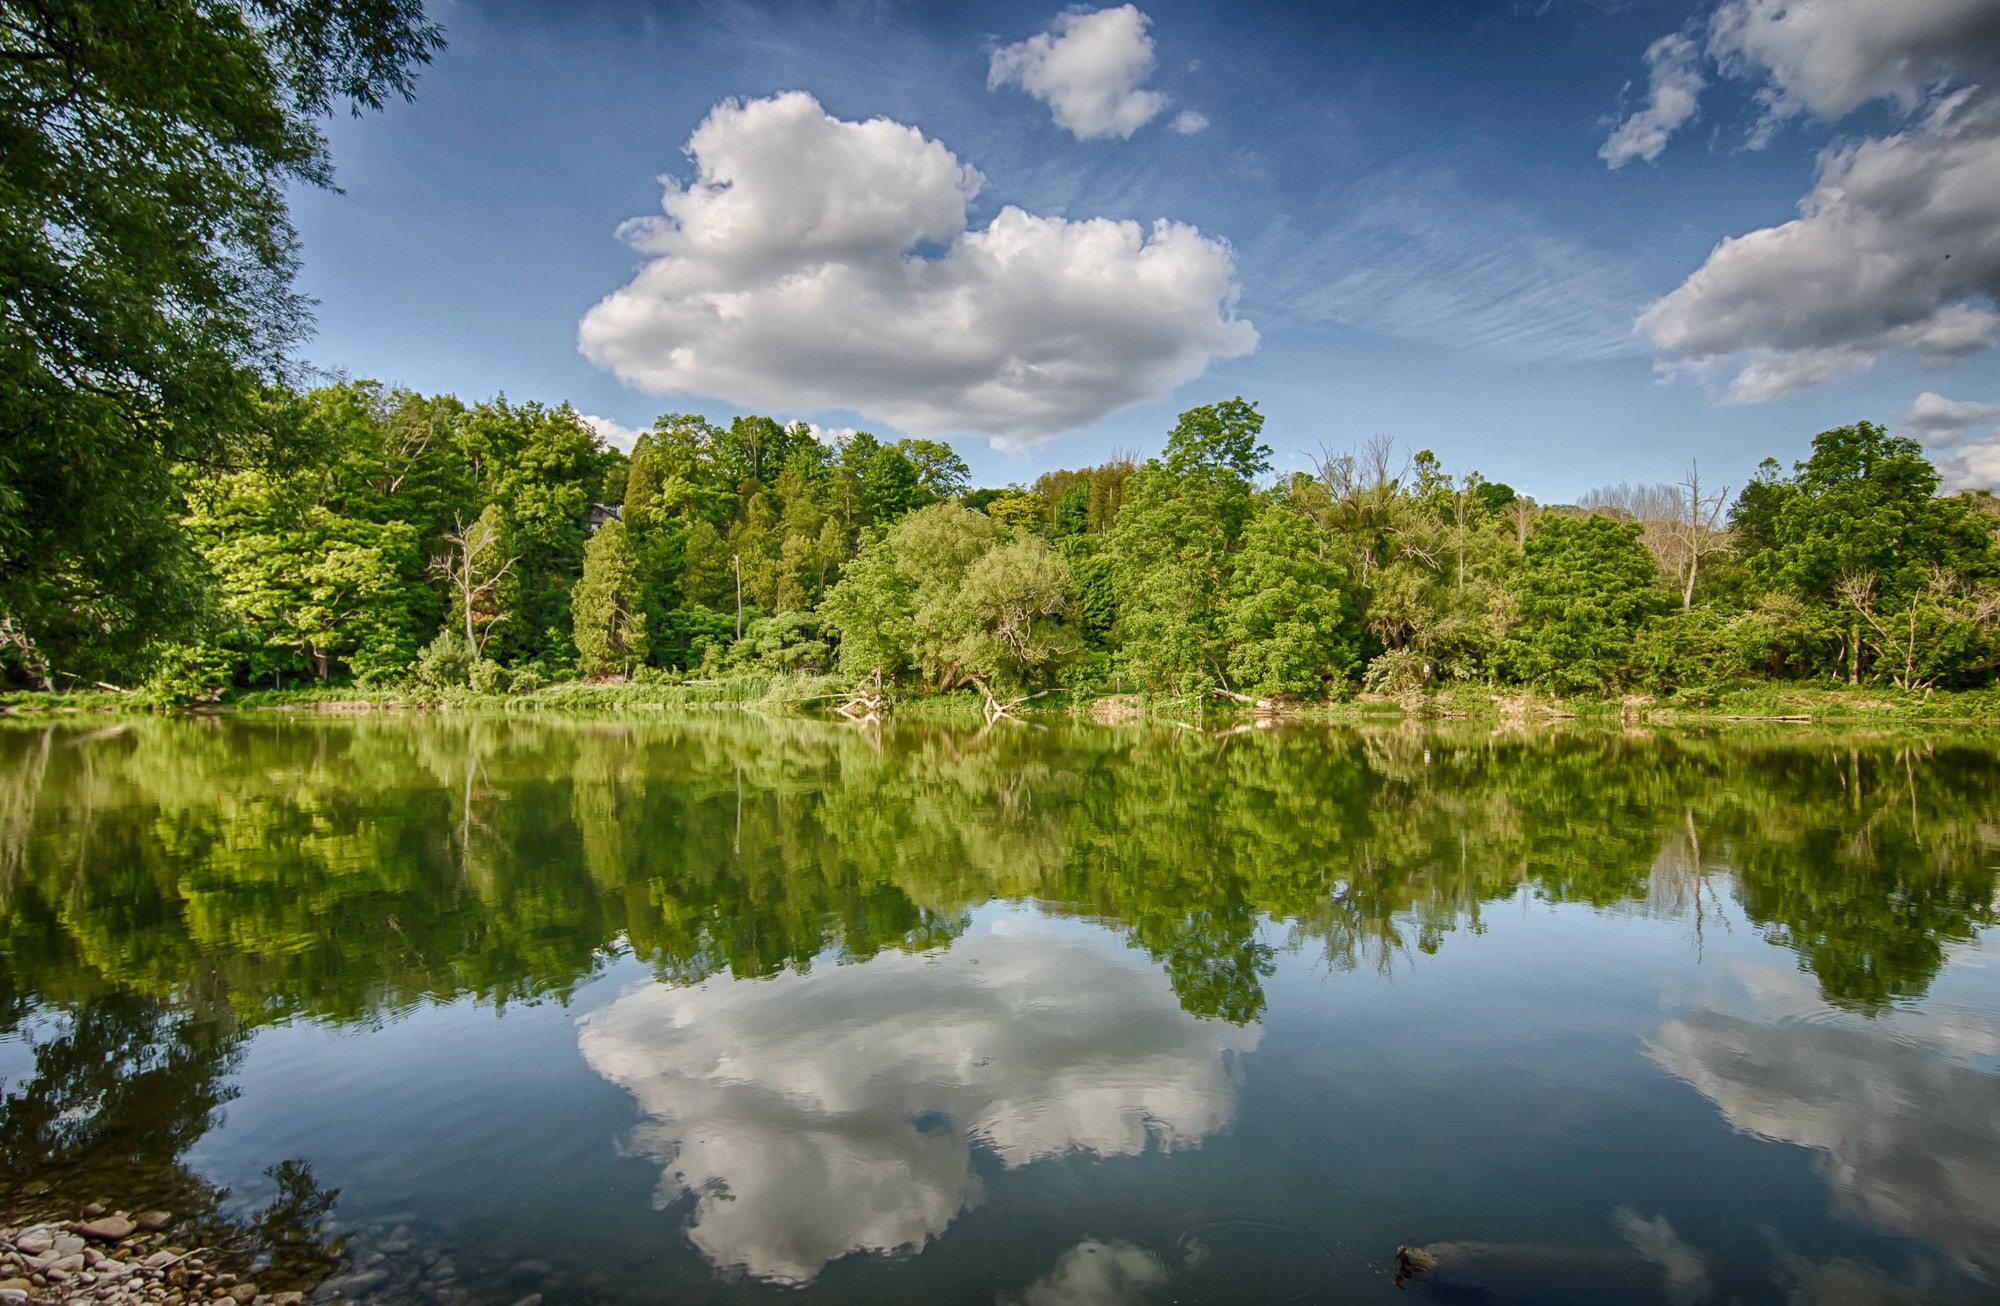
column 607, row 607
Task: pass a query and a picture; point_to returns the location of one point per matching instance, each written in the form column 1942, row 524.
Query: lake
column 725, row 1009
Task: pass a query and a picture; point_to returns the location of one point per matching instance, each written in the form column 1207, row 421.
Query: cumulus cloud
column 1673, row 95
column 1905, row 1144
column 1088, row 71
column 1829, row 57
column 1188, row 121
column 816, row 1115
column 814, row 263
column 1825, row 59
column 610, row 432
column 1896, row 250
column 1968, row 457
column 1939, row 422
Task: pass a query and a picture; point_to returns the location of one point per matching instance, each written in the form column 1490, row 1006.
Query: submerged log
column 1517, row 1272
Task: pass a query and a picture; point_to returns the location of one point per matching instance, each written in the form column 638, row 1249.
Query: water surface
column 719, row 1010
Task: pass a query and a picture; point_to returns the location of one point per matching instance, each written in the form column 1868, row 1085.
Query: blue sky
column 1412, row 205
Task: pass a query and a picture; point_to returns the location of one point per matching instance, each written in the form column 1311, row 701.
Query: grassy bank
column 1827, row 704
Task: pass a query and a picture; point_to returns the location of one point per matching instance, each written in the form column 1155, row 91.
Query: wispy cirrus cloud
column 1413, row 255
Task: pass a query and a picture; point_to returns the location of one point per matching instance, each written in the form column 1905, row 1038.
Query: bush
column 1397, row 672
column 525, row 680
column 489, row 677
column 445, row 663
column 189, row 673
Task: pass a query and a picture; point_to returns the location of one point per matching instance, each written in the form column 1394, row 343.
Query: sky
column 1569, row 243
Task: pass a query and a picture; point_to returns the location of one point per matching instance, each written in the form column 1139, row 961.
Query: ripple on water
column 1251, row 1262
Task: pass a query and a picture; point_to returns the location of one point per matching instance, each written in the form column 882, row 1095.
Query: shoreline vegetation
column 821, row 696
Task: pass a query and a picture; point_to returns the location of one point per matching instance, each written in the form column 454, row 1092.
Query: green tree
column 1586, row 586
column 1290, row 625
column 1219, row 438
column 146, row 266
column 609, row 614
column 1858, row 531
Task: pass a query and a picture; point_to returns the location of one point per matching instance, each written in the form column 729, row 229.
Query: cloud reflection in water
column 817, row 1115
column 1908, row 1133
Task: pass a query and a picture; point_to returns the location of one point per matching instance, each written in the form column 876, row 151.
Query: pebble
column 112, row 1258
column 110, row 1228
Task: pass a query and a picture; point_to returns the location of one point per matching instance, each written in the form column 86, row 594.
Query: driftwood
column 1261, row 704
column 995, row 709
column 867, row 702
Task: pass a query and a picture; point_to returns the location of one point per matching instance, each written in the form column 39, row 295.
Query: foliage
column 146, row 265
column 1586, row 586
column 610, row 625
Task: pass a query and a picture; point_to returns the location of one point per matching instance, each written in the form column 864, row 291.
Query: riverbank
column 1779, row 703
column 110, row 1256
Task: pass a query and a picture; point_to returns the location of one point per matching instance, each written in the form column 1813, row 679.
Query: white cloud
column 610, row 432
column 818, row 264
column 1830, row 56
column 832, row 436
column 1896, row 250
column 1939, row 422
column 1189, row 121
column 1973, row 466
column 1673, row 96
column 1088, row 71
column 1826, row 59
column 816, row 1115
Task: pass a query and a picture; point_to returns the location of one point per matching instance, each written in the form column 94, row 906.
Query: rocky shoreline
column 110, row 1256
column 152, row 1258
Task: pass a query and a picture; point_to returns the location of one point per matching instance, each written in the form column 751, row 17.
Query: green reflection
column 344, row 869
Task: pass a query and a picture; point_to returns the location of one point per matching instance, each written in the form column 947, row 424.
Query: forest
column 403, row 540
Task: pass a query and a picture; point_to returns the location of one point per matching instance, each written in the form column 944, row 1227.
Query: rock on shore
column 115, row 1258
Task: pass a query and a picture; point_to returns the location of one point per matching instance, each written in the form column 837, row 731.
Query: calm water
column 732, row 1010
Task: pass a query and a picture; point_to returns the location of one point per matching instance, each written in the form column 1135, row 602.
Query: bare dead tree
column 1858, row 593
column 471, row 566
column 1702, row 533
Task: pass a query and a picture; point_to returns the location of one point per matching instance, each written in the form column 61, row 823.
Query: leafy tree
column 146, row 265
column 543, row 466
column 1586, row 586
column 1858, row 528
column 1219, row 438
column 1169, row 554
column 1290, row 623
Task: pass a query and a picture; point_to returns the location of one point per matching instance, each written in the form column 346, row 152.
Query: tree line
column 408, row 539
